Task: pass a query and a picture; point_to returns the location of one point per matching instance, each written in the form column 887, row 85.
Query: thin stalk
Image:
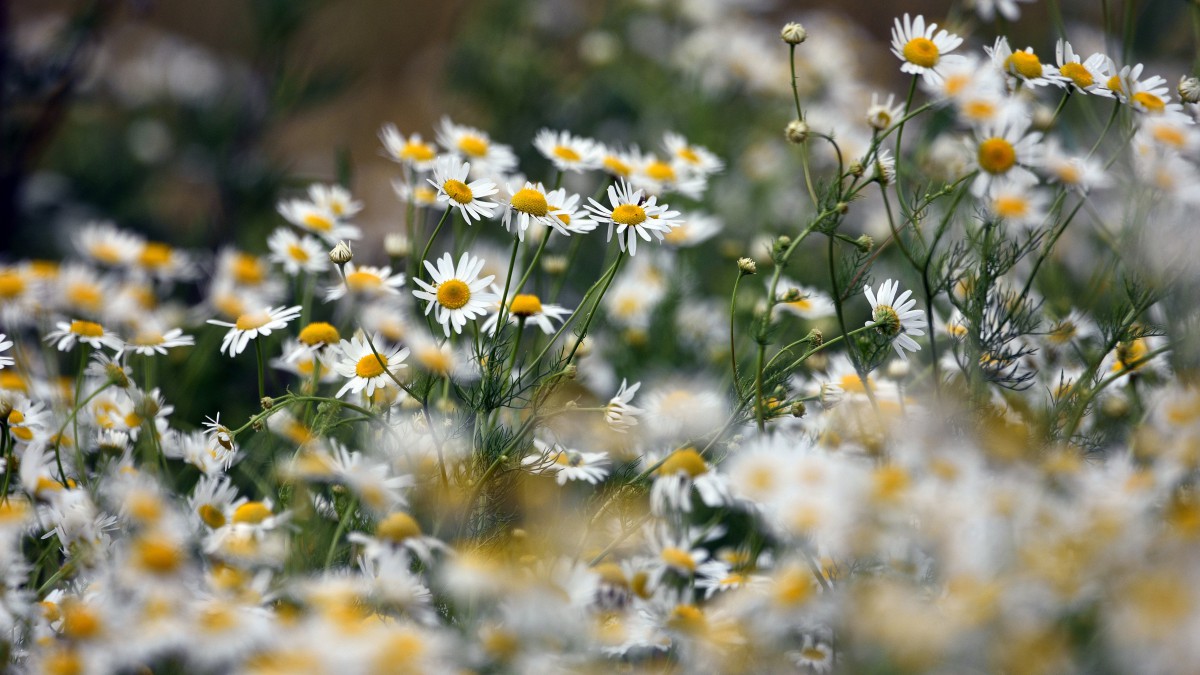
column 429, row 244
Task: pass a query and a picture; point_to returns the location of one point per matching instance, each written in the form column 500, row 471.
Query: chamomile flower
column 485, row 157
column 28, row 421
column 693, row 229
column 692, row 157
column 1018, row 204
column 411, row 151
column 1086, row 77
column 335, row 199
column 880, row 116
column 619, row 414
column 807, row 302
column 633, row 215
column 87, row 332
column 320, row 221
column 921, row 49
column 617, row 162
column 150, row 339
column 419, row 194
column 1024, row 66
column 526, row 308
column 1167, row 133
column 450, row 180
column 107, row 245
column 455, row 295
column 568, row 152
column 252, row 324
column 5, row 345
column 566, row 464
column 678, row 474
column 1005, row 151
column 297, row 253
column 441, row 359
column 896, row 317
column 527, row 206
column 366, row 370
column 365, row 281
column 1074, row 172
column 568, row 217
column 656, row 176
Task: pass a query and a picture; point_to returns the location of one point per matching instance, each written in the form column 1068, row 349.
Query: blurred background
column 187, row 121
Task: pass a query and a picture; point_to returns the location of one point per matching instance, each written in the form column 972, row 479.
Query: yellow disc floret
column 525, row 305
column 530, row 201
column 1149, row 102
column 87, row 329
column 453, row 294
column 458, row 191
column 252, row 321
column 567, row 154
column 397, row 527
column 996, row 155
column 473, row 145
column 1078, row 75
column 370, row 366
column 252, row 513
column 319, row 332
column 922, row 52
column 686, row 460
column 629, row 214
column 1025, row 64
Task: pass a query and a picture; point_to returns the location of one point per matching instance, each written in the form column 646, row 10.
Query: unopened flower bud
column 747, row 266
column 796, row 132
column 116, row 375
column 798, row 409
column 571, row 371
column 793, row 33
column 396, row 245
column 842, row 208
column 864, row 243
column 857, row 170
column 815, row 338
column 1189, row 89
column 554, row 264
column 266, row 402
column 341, row 254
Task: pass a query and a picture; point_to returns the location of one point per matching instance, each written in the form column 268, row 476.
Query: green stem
column 732, row 343
column 341, row 528
column 429, row 244
column 258, row 351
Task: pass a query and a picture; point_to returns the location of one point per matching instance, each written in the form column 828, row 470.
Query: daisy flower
column 87, row 332
column 1022, row 65
column 105, row 244
column 618, row 163
column 250, row 325
column 410, row 151
column 365, row 369
column 28, row 421
column 619, row 414
column 633, row 215
column 5, row 345
column 527, row 206
column 896, row 317
column 1170, row 133
column 880, row 116
column 807, row 302
column 334, row 199
column 656, row 176
column 150, row 340
column 418, row 194
column 1086, row 77
column 528, row 308
column 568, row 217
column 486, row 157
column 568, row 152
column 1004, row 151
column 1151, row 96
column 1077, row 173
column 297, row 254
column 693, row 229
column 696, row 158
column 457, row 294
column 449, row 178
column 366, row 282
column 921, row 50
column 322, row 222
column 1017, row 203
column 441, row 359
column 566, row 464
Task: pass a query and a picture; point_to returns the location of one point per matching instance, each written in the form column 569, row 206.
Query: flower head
column 920, row 48
column 456, row 294
column 252, row 324
column 895, row 318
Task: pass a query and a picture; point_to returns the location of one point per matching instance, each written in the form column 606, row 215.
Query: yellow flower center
column 435, row 360
column 211, row 515
column 363, row 281
column 1150, row 102
column 979, row 109
column 1025, row 64
column 11, row 285
column 297, row 253
column 251, row 512
column 688, row 155
column 629, row 214
column 1168, row 135
column 525, row 305
column 1114, row 85
column 678, row 558
column 1078, row 74
column 921, row 51
column 687, row 618
column 418, row 152
column 397, row 527
column 148, row 338
column 85, row 295
column 252, row 321
column 813, row 654
column 453, row 294
column 319, row 332
column 158, row 556
column 155, row 255
column 615, row 166
column 1069, row 174
column 318, row 222
column 15, row 417
column 661, row 171
column 87, row 329
column 473, row 145
column 887, row 320
column 369, row 366
column 564, row 153
column 458, row 191
column 996, row 155
column 106, row 253
column 248, row 270
column 687, row 460
column 954, row 84
column 530, row 201
column 1011, row 207
column 80, row 622
column 424, row 195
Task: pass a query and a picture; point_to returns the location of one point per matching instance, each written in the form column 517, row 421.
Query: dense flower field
column 903, row 386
